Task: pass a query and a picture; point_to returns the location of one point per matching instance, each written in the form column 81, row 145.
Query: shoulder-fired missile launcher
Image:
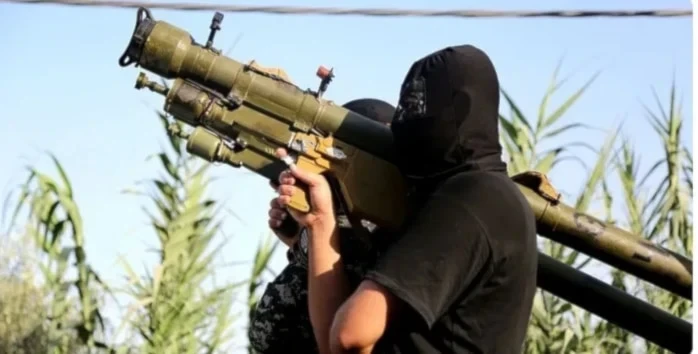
column 241, row 113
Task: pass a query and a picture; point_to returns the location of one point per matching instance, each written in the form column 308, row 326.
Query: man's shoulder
column 491, row 197
column 480, row 184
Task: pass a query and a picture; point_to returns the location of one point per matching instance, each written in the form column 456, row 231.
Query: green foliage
column 174, row 312
column 522, row 138
column 22, row 306
column 54, row 226
column 665, row 217
column 551, row 329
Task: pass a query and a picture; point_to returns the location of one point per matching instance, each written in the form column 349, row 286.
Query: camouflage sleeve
column 281, row 323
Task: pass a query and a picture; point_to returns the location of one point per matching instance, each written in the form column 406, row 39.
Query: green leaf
column 564, row 107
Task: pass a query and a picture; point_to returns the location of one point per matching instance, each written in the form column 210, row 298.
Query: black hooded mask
column 447, row 117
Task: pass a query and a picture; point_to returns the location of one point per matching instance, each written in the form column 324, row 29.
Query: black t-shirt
column 465, row 268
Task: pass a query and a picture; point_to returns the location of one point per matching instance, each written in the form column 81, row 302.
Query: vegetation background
column 53, row 299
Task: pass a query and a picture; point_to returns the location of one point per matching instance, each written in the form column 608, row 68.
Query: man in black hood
column 461, row 276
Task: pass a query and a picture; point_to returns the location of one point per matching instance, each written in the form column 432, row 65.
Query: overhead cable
column 374, row 12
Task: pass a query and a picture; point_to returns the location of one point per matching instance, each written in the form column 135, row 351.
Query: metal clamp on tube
column 212, row 148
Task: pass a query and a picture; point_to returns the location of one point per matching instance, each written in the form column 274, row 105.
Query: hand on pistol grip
column 289, row 227
column 300, row 200
column 305, row 193
column 281, row 223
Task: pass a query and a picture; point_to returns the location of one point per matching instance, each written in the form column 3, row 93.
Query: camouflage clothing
column 281, row 322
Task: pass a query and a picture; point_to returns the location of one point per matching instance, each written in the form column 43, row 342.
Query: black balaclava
column 377, row 110
column 447, row 117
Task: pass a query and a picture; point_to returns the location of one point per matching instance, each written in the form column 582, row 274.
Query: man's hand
column 277, row 215
column 321, row 214
column 327, row 283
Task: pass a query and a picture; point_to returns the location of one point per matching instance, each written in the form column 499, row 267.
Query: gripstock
column 241, row 114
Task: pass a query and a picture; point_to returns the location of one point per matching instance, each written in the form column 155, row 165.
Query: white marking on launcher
column 288, row 160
